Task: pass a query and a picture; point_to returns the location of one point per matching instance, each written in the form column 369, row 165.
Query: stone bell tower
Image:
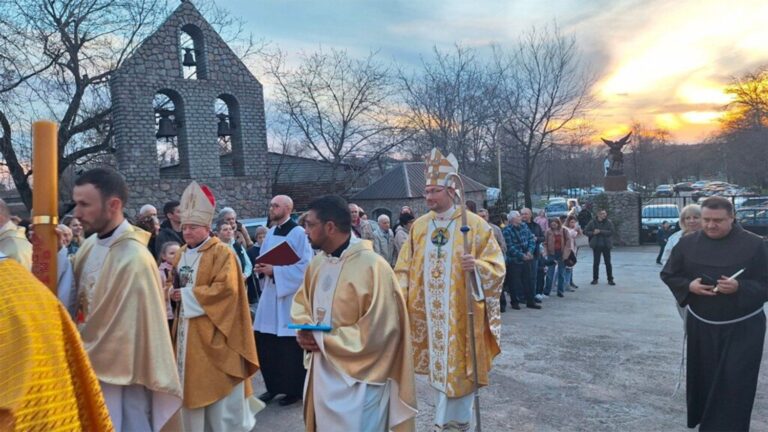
column 186, row 108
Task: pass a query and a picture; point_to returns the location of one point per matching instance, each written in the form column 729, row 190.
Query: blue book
column 316, row 327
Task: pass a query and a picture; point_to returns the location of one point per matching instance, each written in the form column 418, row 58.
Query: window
column 170, row 135
column 192, row 53
column 226, row 113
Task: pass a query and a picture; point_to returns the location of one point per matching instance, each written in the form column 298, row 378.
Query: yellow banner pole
column 45, row 202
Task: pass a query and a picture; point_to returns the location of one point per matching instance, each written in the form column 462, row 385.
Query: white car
column 654, row 215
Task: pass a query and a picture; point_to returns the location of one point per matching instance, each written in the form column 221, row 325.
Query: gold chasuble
column 120, row 314
column 14, row 244
column 220, row 349
column 429, row 272
column 369, row 341
column 46, row 382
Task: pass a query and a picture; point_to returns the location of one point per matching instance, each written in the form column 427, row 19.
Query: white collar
column 107, row 242
column 197, row 248
column 446, row 214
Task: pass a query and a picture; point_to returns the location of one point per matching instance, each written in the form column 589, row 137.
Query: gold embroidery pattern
column 438, row 320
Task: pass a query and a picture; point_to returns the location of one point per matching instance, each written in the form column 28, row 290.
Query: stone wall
column 624, row 211
column 240, row 181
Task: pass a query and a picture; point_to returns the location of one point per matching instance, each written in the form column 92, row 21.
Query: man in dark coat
column 170, row 229
column 600, row 233
column 725, row 322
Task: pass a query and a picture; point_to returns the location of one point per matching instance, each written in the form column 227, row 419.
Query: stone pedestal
column 615, row 183
column 624, row 211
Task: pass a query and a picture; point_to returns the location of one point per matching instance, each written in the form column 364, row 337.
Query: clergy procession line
column 331, row 311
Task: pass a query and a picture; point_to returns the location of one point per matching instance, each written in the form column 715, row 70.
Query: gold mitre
column 439, row 166
column 198, row 205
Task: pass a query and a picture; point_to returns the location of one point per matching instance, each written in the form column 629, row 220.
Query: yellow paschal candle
column 45, row 202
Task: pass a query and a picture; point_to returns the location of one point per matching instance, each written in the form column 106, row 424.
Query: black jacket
column 165, row 235
column 602, row 240
column 539, row 234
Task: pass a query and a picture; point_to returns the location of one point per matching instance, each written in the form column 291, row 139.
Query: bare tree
column 544, row 89
column 341, row 107
column 451, row 103
column 743, row 137
column 55, row 62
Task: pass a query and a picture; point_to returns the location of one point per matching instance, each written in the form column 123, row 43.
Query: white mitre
column 198, row 205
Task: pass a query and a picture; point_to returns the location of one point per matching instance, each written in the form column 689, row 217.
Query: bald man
column 13, row 242
column 280, row 357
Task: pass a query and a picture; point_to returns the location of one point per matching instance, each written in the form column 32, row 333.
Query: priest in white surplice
column 361, row 371
column 215, row 352
column 120, row 310
column 280, row 357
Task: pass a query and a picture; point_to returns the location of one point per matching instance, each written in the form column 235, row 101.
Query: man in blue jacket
column 521, row 244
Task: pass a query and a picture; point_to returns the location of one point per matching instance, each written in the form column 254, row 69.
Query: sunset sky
column 660, row 62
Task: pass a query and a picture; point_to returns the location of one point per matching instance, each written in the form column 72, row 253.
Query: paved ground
column 601, row 359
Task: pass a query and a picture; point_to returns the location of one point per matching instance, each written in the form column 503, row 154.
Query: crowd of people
column 163, row 325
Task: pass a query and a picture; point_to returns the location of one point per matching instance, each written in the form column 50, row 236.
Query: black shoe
column 594, row 282
column 266, row 397
column 610, row 282
column 503, row 308
column 574, row 286
column 533, row 306
column 658, row 262
column 288, row 400
column 560, row 295
column 515, row 306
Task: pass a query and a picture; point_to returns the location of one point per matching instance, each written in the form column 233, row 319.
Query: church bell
column 166, row 127
column 189, row 58
column 224, row 128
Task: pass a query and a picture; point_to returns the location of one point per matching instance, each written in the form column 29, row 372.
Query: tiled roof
column 406, row 180
column 296, row 169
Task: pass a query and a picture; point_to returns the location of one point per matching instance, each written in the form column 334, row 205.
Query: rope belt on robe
column 706, row 321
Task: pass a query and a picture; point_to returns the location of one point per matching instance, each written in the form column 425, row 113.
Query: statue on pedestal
column 615, row 180
column 615, row 156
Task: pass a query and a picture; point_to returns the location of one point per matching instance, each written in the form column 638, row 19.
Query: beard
column 98, row 226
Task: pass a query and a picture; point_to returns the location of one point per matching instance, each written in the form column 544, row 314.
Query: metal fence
column 655, row 209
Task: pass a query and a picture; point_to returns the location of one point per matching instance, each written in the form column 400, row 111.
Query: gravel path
column 601, row 359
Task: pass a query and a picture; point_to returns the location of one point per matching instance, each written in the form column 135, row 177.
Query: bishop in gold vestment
column 215, row 349
column 430, row 273
column 47, row 381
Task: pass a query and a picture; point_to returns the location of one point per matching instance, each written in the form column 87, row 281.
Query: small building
column 304, row 179
column 404, row 185
column 185, row 107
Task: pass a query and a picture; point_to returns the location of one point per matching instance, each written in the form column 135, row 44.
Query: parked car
column 652, row 217
column 754, row 220
column 701, row 194
column 556, row 209
column 595, row 190
column 664, row 191
column 573, row 192
column 682, row 187
column 758, row 201
column 699, row 184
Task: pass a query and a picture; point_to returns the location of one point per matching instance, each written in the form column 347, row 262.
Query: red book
column 280, row 255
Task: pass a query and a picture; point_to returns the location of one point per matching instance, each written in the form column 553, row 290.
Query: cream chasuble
column 342, row 402
column 362, row 378
column 117, row 315
column 234, row 412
